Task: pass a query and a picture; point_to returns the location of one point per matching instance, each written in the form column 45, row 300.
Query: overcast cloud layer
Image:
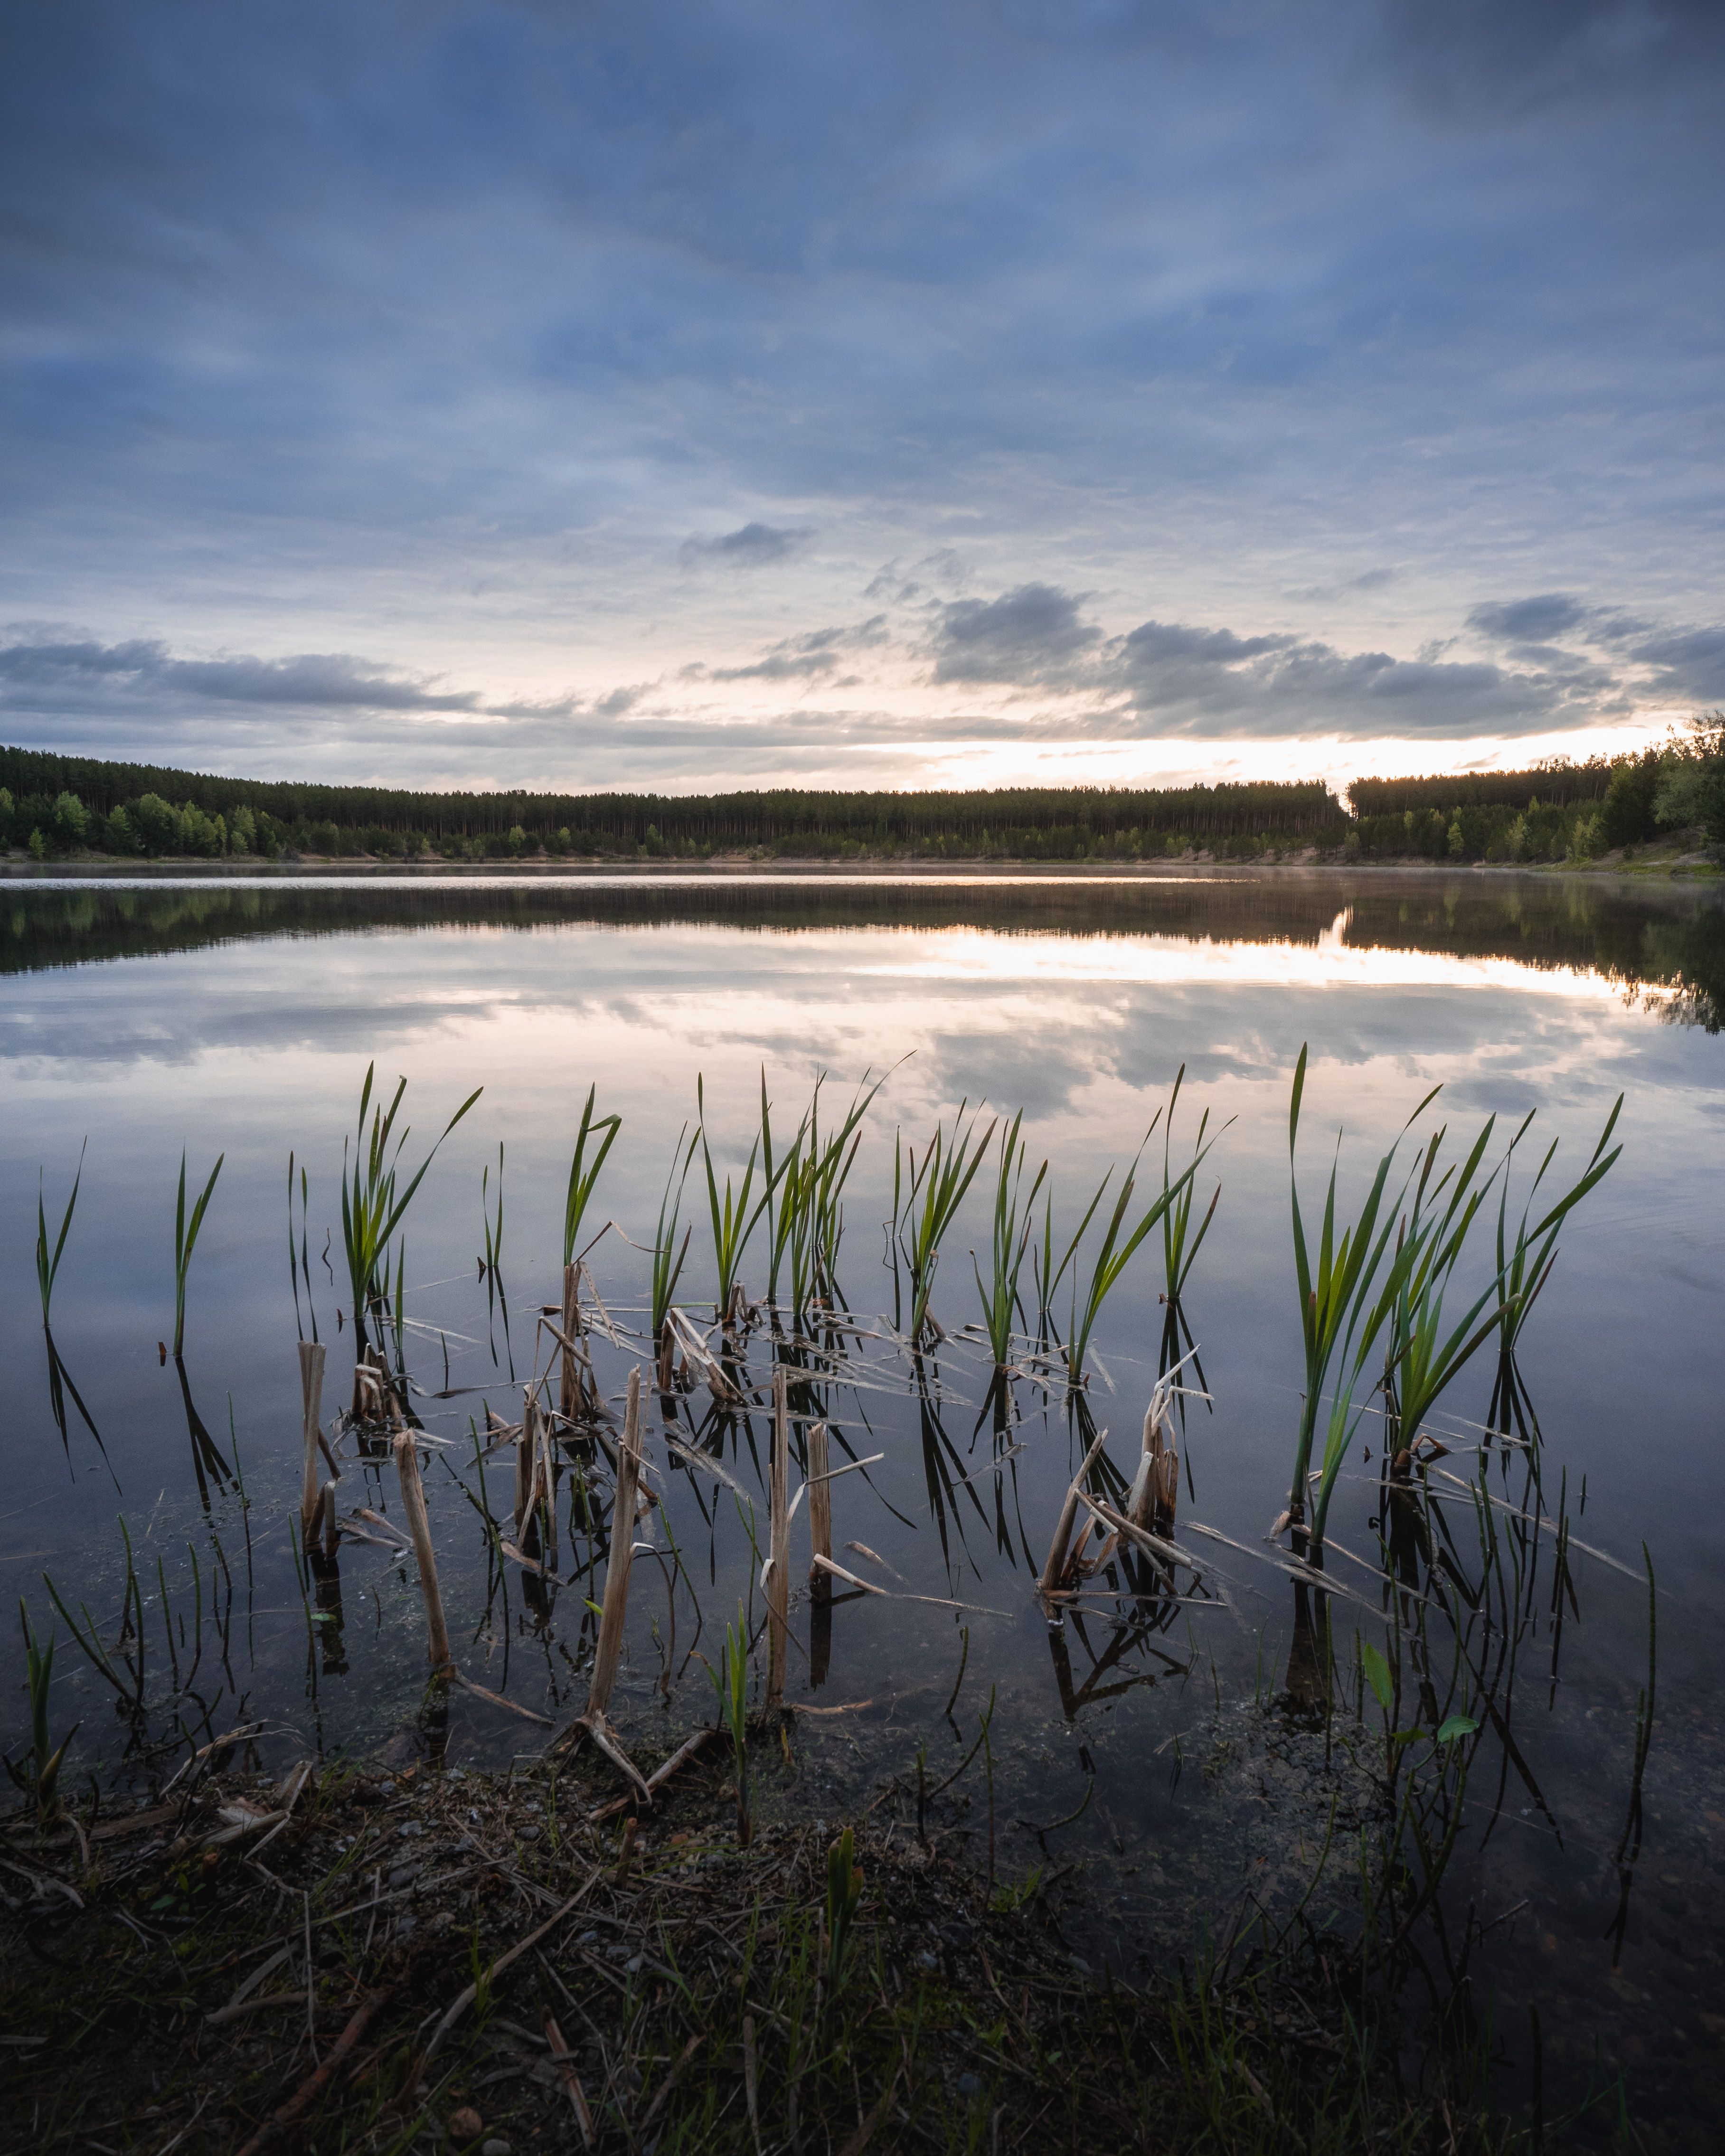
column 695, row 396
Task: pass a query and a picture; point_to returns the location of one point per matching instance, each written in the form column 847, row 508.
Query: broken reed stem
column 412, row 1500
column 779, row 1579
column 524, row 1465
column 1054, row 1569
column 1156, row 1486
column 820, row 1501
column 546, row 1472
column 569, row 1395
column 311, row 1358
column 622, row 1538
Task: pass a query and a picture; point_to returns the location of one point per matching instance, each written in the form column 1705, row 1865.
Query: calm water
column 240, row 1017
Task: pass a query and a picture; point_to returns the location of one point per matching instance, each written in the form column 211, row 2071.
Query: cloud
column 1689, row 664
column 750, row 546
column 812, row 656
column 1530, row 621
column 1029, row 636
column 60, row 670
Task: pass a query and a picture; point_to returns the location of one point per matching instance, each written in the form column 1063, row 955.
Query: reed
column 733, row 1221
column 610, row 1646
column 48, row 1266
column 1009, row 1243
column 311, row 1361
column 1421, row 1358
column 668, row 1261
column 936, row 1189
column 373, row 1202
column 1118, row 1246
column 36, row 1775
column 831, row 1164
column 1525, row 1266
column 777, row 1579
column 787, row 1217
column 185, row 1243
column 1335, row 1297
column 845, row 1885
column 413, row 1499
column 1179, row 1246
column 730, row 1682
column 583, row 1174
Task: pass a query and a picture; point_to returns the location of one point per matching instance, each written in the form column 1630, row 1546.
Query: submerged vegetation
column 678, row 1959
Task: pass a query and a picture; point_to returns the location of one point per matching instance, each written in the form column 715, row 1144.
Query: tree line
column 54, row 807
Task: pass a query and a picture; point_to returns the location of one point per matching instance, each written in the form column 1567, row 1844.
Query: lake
column 1164, row 1744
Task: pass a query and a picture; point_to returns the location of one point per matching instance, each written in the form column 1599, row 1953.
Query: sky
column 695, row 396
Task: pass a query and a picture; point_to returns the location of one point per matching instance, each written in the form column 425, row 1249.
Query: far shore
column 1682, row 859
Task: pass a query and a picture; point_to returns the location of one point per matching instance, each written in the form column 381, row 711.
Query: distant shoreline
column 1650, row 864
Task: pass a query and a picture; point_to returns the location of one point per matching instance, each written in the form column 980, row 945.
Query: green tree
column 71, row 820
column 39, row 846
column 243, row 830
column 1626, row 815
column 157, row 824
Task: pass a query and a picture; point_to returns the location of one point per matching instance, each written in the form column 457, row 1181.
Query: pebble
column 496, row 2146
column 409, row 1829
column 969, row 2085
column 530, row 1834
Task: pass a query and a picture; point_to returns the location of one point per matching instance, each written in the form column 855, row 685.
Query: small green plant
column 667, row 1258
column 47, row 1267
column 730, row 1680
column 371, row 1206
column 938, row 1187
column 37, row 1774
column 1179, row 1246
column 1336, row 1296
column 1010, row 1240
column 185, row 1242
column 733, row 1222
column 845, row 1885
column 1117, row 1250
column 582, row 1176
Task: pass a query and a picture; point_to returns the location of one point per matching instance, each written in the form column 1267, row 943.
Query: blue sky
column 692, row 395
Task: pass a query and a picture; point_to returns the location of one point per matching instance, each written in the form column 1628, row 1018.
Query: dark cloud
column 1530, row 621
column 750, row 546
column 62, row 671
column 1032, row 635
column 1689, row 664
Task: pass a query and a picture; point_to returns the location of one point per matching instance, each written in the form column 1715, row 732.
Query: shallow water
column 239, row 1017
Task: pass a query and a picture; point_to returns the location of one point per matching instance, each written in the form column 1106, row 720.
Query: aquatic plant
column 37, row 1774
column 185, row 1242
column 1180, row 1248
column 831, row 1164
column 1421, row 1358
column 845, row 1885
column 730, row 1682
column 1116, row 1249
column 1335, row 1297
column 937, row 1186
column 668, row 1260
column 1525, row 1266
column 582, row 1176
column 732, row 1221
column 1009, row 1243
column 372, row 1207
column 47, row 1267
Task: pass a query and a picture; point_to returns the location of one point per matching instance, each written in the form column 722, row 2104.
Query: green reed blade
column 186, row 1242
column 583, row 1178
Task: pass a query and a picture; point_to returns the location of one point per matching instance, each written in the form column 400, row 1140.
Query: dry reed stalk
column 545, row 1471
column 1054, row 1570
column 571, row 1392
column 525, row 1463
column 820, row 1501
column 412, row 1500
column 778, row 1580
column 1156, row 1487
column 564, row 2060
column 311, row 1359
column 622, row 1538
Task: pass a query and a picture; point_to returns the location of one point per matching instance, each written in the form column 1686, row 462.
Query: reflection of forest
column 1665, row 942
